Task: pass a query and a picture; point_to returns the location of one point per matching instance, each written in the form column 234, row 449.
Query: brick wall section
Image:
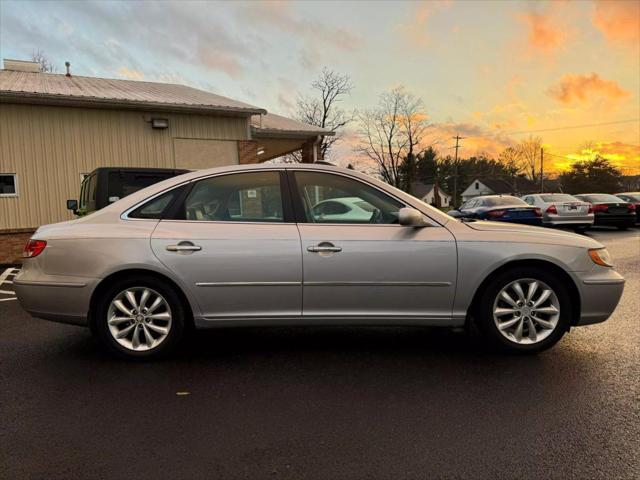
column 308, row 148
column 247, row 151
column 11, row 244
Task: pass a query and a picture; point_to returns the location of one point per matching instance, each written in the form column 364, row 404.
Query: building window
column 477, row 185
column 8, row 185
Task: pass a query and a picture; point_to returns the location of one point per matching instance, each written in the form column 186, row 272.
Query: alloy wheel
column 526, row 311
column 139, row 318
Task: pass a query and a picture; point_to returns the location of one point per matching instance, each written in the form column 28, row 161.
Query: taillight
column 538, row 212
column 33, row 248
column 632, row 207
column 600, row 208
column 590, row 208
column 552, row 209
column 496, row 213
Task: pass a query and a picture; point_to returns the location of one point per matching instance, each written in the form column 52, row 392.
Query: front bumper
column 600, row 292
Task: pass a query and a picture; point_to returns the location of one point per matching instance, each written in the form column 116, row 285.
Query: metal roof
column 47, row 88
column 272, row 125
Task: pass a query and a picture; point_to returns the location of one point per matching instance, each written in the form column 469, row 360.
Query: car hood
column 540, row 234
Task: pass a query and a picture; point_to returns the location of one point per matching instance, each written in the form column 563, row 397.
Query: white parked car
column 562, row 210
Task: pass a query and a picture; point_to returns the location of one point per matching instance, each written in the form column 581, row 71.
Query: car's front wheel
column 139, row 317
column 524, row 310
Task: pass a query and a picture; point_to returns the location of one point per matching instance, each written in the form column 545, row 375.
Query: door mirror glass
column 72, row 205
column 410, row 217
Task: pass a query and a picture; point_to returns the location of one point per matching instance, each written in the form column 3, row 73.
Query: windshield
column 558, row 197
column 503, row 201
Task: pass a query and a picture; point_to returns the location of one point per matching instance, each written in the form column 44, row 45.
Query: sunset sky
column 568, row 71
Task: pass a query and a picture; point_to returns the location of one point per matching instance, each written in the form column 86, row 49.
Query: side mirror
column 410, row 217
column 72, row 205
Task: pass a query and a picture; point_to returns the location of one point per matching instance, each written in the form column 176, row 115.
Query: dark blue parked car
column 499, row 208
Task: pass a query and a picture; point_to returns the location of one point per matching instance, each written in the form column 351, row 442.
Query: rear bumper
column 58, row 298
column 557, row 220
column 600, row 293
column 616, row 220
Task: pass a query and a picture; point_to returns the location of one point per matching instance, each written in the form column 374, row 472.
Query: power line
column 569, row 127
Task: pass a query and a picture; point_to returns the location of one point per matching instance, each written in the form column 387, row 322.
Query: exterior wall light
column 159, row 123
column 260, row 151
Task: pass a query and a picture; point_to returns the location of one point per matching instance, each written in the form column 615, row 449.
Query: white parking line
column 9, row 272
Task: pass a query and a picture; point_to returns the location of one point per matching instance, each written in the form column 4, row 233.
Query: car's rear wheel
column 524, row 310
column 139, row 317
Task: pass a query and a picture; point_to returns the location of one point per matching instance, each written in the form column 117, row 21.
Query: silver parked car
column 241, row 245
column 562, row 210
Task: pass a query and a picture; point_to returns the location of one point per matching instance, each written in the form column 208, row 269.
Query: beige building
column 54, row 128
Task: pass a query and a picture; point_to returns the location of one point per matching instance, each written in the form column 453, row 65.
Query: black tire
column 176, row 329
column 623, row 227
column 483, row 313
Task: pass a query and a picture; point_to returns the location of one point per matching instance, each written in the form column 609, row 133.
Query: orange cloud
column 583, row 88
column 130, row 74
column 416, row 29
column 618, row 20
column 544, row 36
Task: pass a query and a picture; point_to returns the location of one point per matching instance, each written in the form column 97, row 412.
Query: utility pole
column 457, row 138
column 541, row 170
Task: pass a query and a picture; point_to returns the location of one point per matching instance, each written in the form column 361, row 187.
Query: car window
column 503, row 201
column 602, row 198
column 469, row 204
column 156, row 207
column 558, row 197
column 241, row 197
column 316, row 187
column 529, row 200
column 330, row 208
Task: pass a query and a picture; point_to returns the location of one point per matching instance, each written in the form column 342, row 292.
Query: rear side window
column 240, row 197
column 155, row 208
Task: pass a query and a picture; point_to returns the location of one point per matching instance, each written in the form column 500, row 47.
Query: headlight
column 600, row 256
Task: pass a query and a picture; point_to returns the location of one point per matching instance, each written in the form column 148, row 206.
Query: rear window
column 503, row 201
column 558, row 197
column 603, row 197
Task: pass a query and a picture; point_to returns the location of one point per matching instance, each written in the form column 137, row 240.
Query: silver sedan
column 241, row 246
column 562, row 210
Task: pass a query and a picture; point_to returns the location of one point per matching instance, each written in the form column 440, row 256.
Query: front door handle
column 324, row 247
column 183, row 247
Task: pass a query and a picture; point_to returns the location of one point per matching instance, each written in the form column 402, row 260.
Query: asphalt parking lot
column 325, row 402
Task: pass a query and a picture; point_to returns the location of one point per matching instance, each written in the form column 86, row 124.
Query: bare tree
column 45, row 64
column 324, row 110
column 392, row 134
column 529, row 151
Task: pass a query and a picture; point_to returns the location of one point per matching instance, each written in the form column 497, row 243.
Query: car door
column 233, row 242
column 374, row 268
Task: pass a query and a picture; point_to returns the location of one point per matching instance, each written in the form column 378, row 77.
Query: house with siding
column 54, row 128
column 499, row 186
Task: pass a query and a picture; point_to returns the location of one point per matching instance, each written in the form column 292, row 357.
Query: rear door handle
column 183, row 247
column 324, row 247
